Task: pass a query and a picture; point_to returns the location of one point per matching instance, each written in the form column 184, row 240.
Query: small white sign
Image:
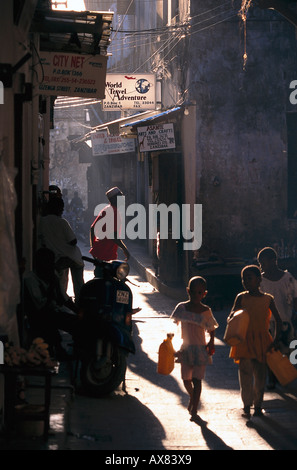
column 104, row 144
column 124, row 91
column 122, row 297
column 156, row 137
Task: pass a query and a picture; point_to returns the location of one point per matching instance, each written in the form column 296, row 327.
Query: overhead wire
column 214, row 24
column 212, row 9
column 155, row 53
column 180, row 36
column 124, row 16
column 136, row 43
column 171, row 42
column 183, row 26
column 165, row 44
column 168, row 27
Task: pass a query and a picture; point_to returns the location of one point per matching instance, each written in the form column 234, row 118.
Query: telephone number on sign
column 78, row 81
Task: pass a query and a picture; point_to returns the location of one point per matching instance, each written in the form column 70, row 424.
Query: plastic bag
column 166, row 356
column 236, row 329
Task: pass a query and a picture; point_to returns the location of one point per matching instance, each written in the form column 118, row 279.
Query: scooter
column 104, row 337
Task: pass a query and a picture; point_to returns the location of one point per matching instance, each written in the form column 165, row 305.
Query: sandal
column 246, row 412
column 258, row 411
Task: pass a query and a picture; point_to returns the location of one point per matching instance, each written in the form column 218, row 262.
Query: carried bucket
column 236, row 329
column 281, row 366
column 166, row 356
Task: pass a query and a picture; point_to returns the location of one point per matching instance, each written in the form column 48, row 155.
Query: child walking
column 283, row 286
column 196, row 319
column 251, row 355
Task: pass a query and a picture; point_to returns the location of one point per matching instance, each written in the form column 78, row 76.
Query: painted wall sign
column 104, row 144
column 156, row 137
column 135, row 91
column 73, row 74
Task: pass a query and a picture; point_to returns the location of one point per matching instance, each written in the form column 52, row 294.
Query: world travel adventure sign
column 134, row 91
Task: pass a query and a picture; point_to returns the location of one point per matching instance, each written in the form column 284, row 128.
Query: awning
column 154, row 117
column 126, row 126
column 85, row 32
column 72, row 51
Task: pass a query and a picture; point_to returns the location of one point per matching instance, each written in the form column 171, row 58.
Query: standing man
column 56, row 234
column 105, row 230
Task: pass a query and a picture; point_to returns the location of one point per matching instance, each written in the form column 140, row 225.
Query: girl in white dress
column 196, row 319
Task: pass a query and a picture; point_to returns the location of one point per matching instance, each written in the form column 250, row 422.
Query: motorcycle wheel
column 99, row 381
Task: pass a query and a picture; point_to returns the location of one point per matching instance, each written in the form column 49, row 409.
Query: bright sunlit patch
column 73, row 5
column 57, row 422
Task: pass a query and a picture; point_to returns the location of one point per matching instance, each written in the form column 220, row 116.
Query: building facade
column 234, row 125
column 28, row 29
column 235, row 131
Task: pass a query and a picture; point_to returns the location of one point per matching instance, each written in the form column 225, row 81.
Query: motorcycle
column 104, row 339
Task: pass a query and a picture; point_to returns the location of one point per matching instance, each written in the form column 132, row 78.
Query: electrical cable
column 171, row 42
column 182, row 26
column 188, row 35
column 124, row 16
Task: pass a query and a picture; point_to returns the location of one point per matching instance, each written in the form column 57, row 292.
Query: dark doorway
column 170, row 192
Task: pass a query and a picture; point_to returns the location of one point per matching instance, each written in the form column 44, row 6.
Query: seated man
column 45, row 305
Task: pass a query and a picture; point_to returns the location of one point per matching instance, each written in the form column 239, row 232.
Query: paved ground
column 152, row 416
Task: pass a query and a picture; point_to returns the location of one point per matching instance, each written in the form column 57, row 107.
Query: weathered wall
column 241, row 130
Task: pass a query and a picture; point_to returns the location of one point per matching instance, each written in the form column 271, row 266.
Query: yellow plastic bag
column 166, row 356
column 236, row 329
column 281, row 366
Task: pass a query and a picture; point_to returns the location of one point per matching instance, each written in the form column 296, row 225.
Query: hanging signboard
column 135, row 91
column 73, row 74
column 104, row 144
column 156, row 137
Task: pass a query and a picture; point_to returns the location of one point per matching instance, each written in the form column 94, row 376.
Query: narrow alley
column 152, row 415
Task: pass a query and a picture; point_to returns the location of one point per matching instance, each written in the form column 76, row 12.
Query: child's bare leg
column 196, row 396
column 189, row 387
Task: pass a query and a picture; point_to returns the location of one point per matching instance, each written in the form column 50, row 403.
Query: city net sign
column 135, row 91
column 73, row 74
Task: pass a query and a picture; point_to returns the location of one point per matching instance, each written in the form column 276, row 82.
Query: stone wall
column 241, row 130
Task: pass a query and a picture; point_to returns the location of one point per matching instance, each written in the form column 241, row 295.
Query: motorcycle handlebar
column 95, row 261
column 99, row 262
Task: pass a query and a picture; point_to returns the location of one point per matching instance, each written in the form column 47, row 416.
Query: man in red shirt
column 105, row 246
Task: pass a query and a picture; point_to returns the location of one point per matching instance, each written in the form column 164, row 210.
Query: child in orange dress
column 251, row 355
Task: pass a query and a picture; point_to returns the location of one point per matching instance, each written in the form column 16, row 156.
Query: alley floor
column 152, row 415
